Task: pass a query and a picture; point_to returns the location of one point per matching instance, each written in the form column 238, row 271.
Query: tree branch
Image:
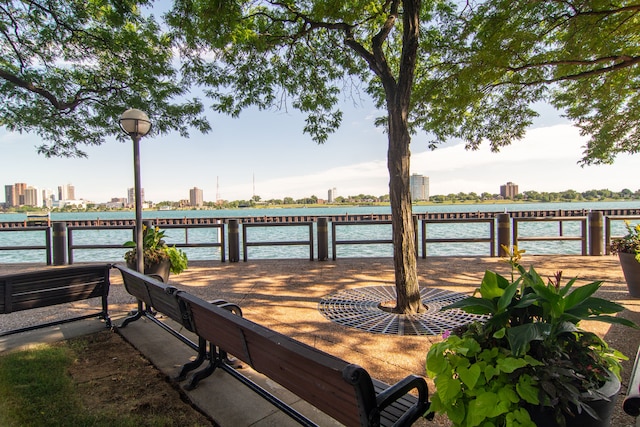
column 622, row 62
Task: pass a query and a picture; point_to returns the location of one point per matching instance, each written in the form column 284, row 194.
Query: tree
column 68, row 69
column 304, row 54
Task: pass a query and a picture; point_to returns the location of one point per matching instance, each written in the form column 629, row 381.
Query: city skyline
column 267, row 151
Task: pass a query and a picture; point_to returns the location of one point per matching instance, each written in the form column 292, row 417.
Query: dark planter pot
column 543, row 417
column 161, row 270
column 631, row 271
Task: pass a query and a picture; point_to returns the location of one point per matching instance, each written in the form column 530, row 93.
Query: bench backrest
column 156, row 294
column 341, row 390
column 52, row 286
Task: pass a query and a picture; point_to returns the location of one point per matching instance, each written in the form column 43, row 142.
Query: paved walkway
column 284, row 295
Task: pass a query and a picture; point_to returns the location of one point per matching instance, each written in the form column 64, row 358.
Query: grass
column 37, row 390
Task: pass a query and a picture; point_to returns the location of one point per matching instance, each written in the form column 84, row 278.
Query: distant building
column 47, row 198
column 419, row 186
column 10, row 196
column 66, row 192
column 116, row 202
column 14, row 194
column 333, row 193
column 509, row 190
column 196, row 197
column 32, row 197
column 131, row 196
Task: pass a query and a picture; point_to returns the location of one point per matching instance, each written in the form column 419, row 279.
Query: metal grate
column 360, row 308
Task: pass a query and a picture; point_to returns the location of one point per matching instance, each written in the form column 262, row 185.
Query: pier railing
column 246, row 243
column 560, row 236
column 216, row 228
column 59, row 240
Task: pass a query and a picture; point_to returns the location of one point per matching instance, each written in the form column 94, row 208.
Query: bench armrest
column 631, row 404
column 398, row 390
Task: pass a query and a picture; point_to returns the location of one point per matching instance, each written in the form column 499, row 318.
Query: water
column 300, row 233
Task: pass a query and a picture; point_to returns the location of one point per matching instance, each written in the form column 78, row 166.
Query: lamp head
column 135, row 122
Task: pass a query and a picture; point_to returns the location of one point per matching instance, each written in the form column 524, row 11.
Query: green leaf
column 436, row 362
column 508, row 394
column 510, row 364
column 448, row 388
column 507, row 297
column 527, row 389
column 581, row 294
column 481, row 407
column 490, row 371
column 473, row 305
column 520, row 336
column 490, row 287
column 469, row 376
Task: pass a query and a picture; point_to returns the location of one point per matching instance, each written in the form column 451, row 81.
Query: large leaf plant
column 529, row 352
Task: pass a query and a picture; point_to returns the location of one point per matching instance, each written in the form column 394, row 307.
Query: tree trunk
column 398, row 97
column 404, row 247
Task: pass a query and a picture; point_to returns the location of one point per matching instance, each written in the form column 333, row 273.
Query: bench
column 340, row 389
column 52, row 286
column 631, row 403
column 158, row 297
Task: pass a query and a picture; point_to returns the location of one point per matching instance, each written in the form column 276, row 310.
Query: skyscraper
column 10, row 196
column 32, row 197
column 131, row 196
column 509, row 190
column 419, row 185
column 196, row 197
column 66, row 192
column 331, row 197
column 19, row 189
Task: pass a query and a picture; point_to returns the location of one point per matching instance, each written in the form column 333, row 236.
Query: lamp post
column 136, row 124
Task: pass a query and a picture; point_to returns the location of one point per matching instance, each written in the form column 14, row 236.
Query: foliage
column 582, row 56
column 156, row 250
column 69, row 69
column 630, row 243
column 529, row 352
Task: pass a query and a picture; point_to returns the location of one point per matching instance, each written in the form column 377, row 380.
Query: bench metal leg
column 214, row 362
column 190, row 366
column 136, row 316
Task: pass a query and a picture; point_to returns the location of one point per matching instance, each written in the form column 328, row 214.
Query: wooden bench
column 52, row 286
column 340, row 389
column 631, row 404
column 159, row 297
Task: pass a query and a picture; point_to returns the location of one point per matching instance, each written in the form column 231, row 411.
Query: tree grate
column 360, row 308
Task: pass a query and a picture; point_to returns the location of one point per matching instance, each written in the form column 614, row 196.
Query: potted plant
column 628, row 250
column 529, row 363
column 159, row 258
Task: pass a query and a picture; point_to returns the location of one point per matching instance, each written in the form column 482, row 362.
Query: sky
column 265, row 153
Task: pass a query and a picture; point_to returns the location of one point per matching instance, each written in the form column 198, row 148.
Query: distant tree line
column 368, row 199
column 472, row 197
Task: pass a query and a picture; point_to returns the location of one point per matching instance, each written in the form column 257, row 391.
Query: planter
column 631, row 270
column 161, row 270
column 543, row 416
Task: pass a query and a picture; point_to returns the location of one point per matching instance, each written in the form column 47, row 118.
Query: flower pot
column 631, row 270
column 161, row 269
column 543, row 416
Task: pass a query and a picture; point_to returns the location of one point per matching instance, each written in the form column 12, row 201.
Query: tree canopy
column 68, row 69
column 582, row 56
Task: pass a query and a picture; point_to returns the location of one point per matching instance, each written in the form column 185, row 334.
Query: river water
column 300, row 233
